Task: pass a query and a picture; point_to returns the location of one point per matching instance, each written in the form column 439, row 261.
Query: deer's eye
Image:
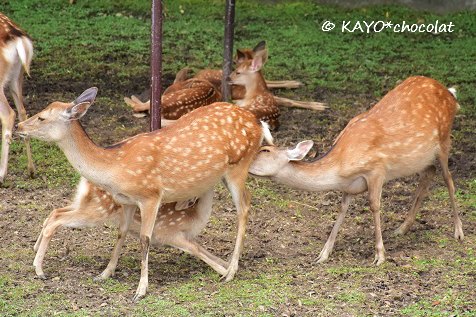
column 264, row 151
column 238, row 73
column 41, row 119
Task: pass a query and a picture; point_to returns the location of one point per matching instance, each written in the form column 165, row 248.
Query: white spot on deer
column 131, row 172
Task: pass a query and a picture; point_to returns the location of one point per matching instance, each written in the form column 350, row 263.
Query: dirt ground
column 286, row 231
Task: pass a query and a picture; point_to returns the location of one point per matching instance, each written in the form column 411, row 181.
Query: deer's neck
column 320, row 175
column 255, row 86
column 90, row 160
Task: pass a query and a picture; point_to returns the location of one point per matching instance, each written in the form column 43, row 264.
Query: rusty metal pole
column 156, row 64
column 228, row 48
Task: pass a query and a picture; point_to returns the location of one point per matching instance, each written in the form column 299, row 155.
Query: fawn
column 257, row 99
column 183, row 161
column 191, row 97
column 175, row 226
column 403, row 134
column 16, row 52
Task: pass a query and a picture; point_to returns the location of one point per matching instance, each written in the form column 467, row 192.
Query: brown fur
column 403, row 134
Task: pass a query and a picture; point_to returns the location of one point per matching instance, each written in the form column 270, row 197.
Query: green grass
column 451, row 303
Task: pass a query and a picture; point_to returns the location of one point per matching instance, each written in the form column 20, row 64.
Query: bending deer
column 404, row 133
column 16, row 52
column 176, row 226
column 183, row 161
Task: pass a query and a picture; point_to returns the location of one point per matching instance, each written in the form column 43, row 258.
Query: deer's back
column 403, row 132
column 192, row 155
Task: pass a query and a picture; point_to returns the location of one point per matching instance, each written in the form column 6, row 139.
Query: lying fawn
column 401, row 135
column 185, row 94
column 183, row 161
column 257, row 98
column 16, row 52
column 92, row 206
column 213, row 78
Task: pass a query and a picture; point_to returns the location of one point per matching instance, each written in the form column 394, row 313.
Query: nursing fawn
column 403, row 134
column 177, row 225
column 16, row 52
column 210, row 144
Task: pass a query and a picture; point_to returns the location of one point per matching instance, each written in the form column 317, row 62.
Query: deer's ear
column 259, row 60
column 260, row 46
column 240, row 56
column 300, row 151
column 76, row 111
column 89, row 95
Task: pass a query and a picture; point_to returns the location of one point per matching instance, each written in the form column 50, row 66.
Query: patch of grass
column 53, row 169
column 426, row 264
column 256, row 295
column 451, row 303
column 154, row 306
column 352, row 270
column 266, row 193
column 351, row 296
column 113, row 286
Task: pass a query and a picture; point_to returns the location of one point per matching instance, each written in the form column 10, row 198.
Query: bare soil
column 286, row 231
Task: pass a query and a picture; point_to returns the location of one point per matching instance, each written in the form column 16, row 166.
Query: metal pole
column 156, row 64
column 228, row 48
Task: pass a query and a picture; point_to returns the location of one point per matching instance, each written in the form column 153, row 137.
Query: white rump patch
column 267, row 133
column 20, row 48
column 10, row 51
column 452, row 90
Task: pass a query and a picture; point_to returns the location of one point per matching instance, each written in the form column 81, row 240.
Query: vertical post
column 156, row 64
column 228, row 48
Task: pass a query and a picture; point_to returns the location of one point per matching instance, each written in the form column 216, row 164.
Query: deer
column 16, row 52
column 405, row 133
column 186, row 160
column 188, row 98
column 177, row 225
column 257, row 99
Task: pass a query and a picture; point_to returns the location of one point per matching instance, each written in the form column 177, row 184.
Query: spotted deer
column 257, row 99
column 208, row 145
column 179, row 99
column 403, row 134
column 183, row 97
column 176, row 225
column 16, row 52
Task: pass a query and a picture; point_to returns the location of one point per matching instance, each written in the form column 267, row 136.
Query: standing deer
column 176, row 226
column 183, row 161
column 403, row 134
column 16, row 52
